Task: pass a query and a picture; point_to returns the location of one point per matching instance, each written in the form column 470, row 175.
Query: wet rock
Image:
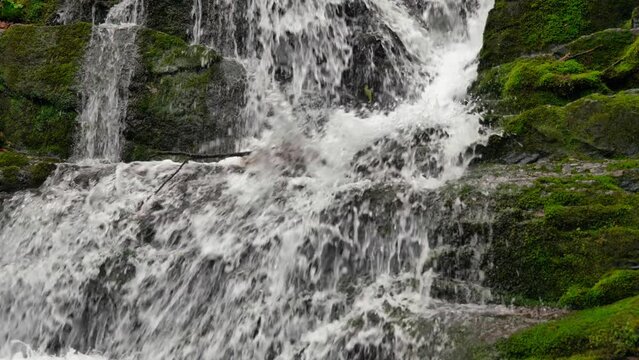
column 21, row 172
column 595, row 127
column 389, row 156
column 39, row 70
column 183, row 98
column 522, row 27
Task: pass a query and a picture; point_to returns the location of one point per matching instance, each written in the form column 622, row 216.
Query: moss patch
column 530, row 82
column 37, row 127
column 38, row 91
column 608, row 332
column 595, row 126
column 624, row 73
column 42, row 62
column 615, row 286
column 19, row 172
column 521, row 27
column 172, row 100
column 560, row 233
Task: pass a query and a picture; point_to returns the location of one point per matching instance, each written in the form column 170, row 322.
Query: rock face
column 38, row 85
column 523, row 27
column 558, row 78
column 183, row 98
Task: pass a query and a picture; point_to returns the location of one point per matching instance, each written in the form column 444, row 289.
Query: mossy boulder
column 182, row 97
column 610, row 332
column 523, row 27
column 39, row 85
column 624, row 73
column 615, row 286
column 596, row 126
column 28, row 11
column 562, row 232
column 530, row 82
column 42, row 62
column 19, row 172
column 600, row 50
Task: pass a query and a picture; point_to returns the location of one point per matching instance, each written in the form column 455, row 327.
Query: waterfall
column 319, row 245
column 107, row 73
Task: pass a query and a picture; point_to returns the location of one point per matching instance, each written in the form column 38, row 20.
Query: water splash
column 106, row 77
column 319, row 245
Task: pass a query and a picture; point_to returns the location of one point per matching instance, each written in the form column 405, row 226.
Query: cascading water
column 319, row 245
column 107, row 74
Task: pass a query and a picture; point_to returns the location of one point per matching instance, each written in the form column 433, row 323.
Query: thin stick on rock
column 204, row 156
column 570, row 57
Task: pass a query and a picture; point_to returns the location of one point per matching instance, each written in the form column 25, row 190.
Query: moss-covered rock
column 530, row 82
column 615, row 286
column 38, row 85
column 610, row 332
column 39, row 128
column 595, row 126
column 28, row 11
column 170, row 16
column 624, row 73
column 42, row 62
column 19, row 172
column 599, row 50
column 182, row 97
column 560, row 233
column 522, row 27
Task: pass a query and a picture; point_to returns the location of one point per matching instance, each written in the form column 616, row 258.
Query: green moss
column 172, row 98
column 38, row 70
column 560, row 233
column 624, row 72
column 37, row 127
column 40, row 171
column 594, row 126
column 163, row 54
column 600, row 50
column 530, row 82
column 521, row 27
column 12, row 159
column 19, row 171
column 623, row 165
column 42, row 62
column 28, row 11
column 615, row 286
column 601, row 333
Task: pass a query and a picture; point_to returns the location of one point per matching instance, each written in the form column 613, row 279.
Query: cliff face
column 559, row 79
column 182, row 96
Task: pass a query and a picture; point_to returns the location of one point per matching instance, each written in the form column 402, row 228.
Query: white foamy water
column 107, row 73
column 319, row 245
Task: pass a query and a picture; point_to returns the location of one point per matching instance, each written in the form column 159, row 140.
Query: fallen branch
column 189, row 158
column 203, row 156
column 170, row 177
column 570, row 57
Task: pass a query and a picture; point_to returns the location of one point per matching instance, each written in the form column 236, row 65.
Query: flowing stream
column 319, row 245
column 106, row 77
